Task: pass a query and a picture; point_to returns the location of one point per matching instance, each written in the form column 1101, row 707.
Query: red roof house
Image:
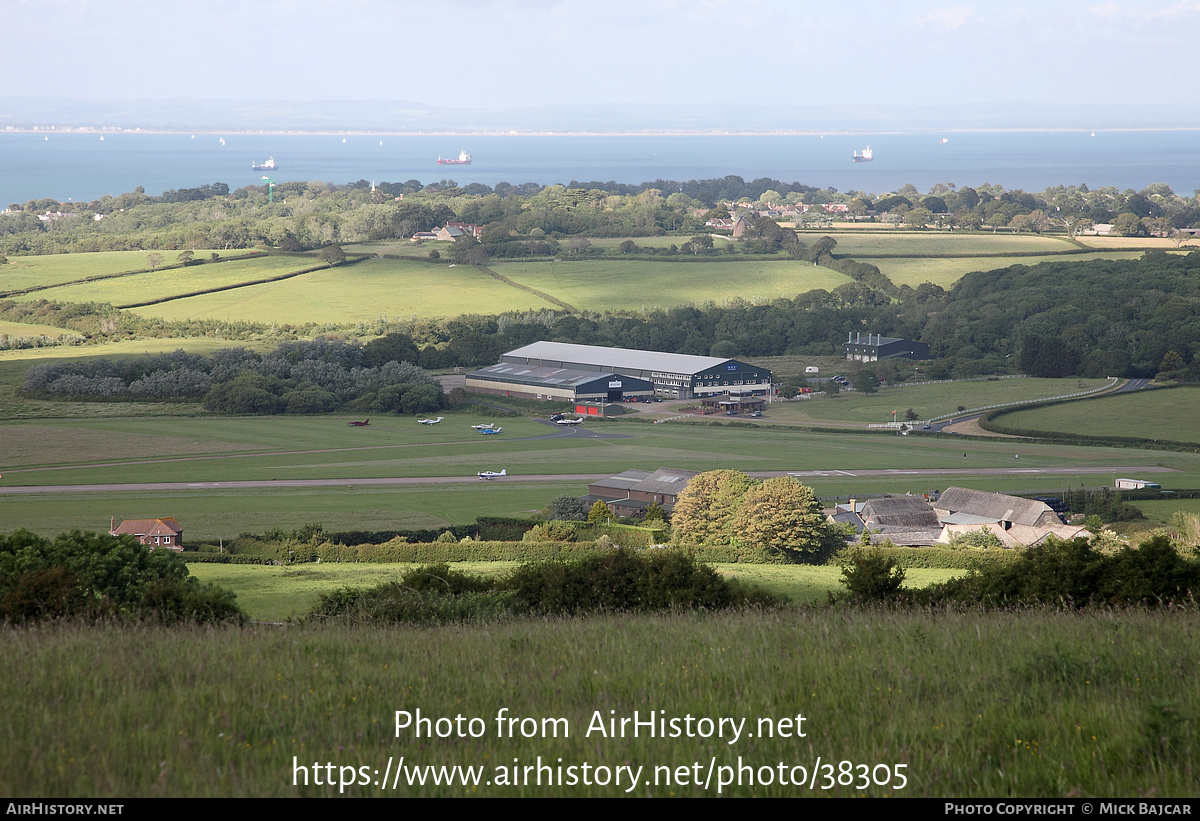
column 152, row 532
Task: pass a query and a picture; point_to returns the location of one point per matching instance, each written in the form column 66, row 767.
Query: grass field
column 1169, row 414
column 913, row 243
column 632, row 285
column 396, row 289
column 945, row 271
column 24, row 272
column 215, row 449
column 1158, row 243
column 991, row 705
column 272, row 593
column 174, row 281
column 928, row 401
column 29, row 329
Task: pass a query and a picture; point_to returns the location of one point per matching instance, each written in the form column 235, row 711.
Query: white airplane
column 491, row 474
column 431, row 421
column 578, row 421
column 489, row 431
column 484, row 426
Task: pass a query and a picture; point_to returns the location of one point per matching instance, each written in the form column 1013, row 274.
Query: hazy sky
column 505, row 53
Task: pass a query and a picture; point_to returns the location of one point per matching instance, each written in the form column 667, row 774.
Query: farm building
column 1015, row 520
column 683, row 376
column 151, row 532
column 876, row 347
column 911, row 520
column 562, row 384
column 904, row 520
column 631, row 492
column 1137, row 484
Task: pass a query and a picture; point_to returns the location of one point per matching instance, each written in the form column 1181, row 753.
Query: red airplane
column 359, row 424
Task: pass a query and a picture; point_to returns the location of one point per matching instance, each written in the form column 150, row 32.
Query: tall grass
column 1001, row 704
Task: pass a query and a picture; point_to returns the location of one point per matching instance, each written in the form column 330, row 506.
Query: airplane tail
column 504, row 472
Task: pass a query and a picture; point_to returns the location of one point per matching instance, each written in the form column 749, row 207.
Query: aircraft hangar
column 681, row 376
column 556, row 383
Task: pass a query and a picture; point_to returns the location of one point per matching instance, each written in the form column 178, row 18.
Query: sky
column 514, row 53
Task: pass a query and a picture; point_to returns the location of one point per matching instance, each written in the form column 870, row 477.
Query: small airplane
column 484, row 426
column 362, row 424
column 431, row 421
column 490, row 431
column 578, row 421
column 491, row 474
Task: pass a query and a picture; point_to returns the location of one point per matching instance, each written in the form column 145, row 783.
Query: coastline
column 103, row 130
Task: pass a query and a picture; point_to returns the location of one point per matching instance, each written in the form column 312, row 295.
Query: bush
column 88, row 575
column 621, row 580
column 870, row 577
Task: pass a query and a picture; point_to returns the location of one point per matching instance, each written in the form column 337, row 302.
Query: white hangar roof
column 617, row 358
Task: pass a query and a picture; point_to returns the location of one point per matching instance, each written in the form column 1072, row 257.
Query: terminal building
column 876, row 347
column 680, row 376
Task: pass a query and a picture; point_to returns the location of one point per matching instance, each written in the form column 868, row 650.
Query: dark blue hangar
column 673, row 375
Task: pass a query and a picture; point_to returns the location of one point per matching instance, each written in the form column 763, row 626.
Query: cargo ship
column 463, row 159
column 269, row 165
column 865, row 156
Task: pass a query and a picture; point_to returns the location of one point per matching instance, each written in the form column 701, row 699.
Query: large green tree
column 705, row 510
column 784, row 518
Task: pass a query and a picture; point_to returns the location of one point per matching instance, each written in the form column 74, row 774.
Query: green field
column 396, row 289
column 945, row 271
column 914, row 243
column 993, row 705
column 928, row 401
column 272, row 593
column 216, row 449
column 25, row 272
column 600, row 285
column 29, row 329
column 1169, row 414
column 173, row 281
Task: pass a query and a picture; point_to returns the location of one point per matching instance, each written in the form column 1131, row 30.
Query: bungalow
column 151, row 532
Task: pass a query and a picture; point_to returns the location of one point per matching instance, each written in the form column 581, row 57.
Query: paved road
column 564, row 477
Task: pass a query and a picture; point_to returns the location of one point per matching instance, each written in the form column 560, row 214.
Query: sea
column 82, row 166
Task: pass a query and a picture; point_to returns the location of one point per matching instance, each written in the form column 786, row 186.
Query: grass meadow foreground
column 1001, row 704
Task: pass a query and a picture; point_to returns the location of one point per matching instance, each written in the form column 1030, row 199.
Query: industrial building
column 876, row 347
column 560, row 384
column 681, row 376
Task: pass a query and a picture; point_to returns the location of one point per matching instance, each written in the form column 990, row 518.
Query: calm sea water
column 83, row 167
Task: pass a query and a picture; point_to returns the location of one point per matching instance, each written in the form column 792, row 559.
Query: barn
column 681, row 376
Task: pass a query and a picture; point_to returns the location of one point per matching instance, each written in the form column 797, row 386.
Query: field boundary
column 553, row 300
column 98, row 277
column 218, row 288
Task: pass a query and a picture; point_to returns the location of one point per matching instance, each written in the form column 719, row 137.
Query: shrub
column 870, row 577
column 621, row 580
column 88, row 575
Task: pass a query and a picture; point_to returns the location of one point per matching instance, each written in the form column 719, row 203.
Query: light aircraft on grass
column 578, row 421
column 491, row 474
column 484, row 426
column 359, row 424
column 431, row 421
column 490, row 431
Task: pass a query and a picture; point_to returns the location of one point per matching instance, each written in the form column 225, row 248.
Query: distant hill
column 407, row 116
